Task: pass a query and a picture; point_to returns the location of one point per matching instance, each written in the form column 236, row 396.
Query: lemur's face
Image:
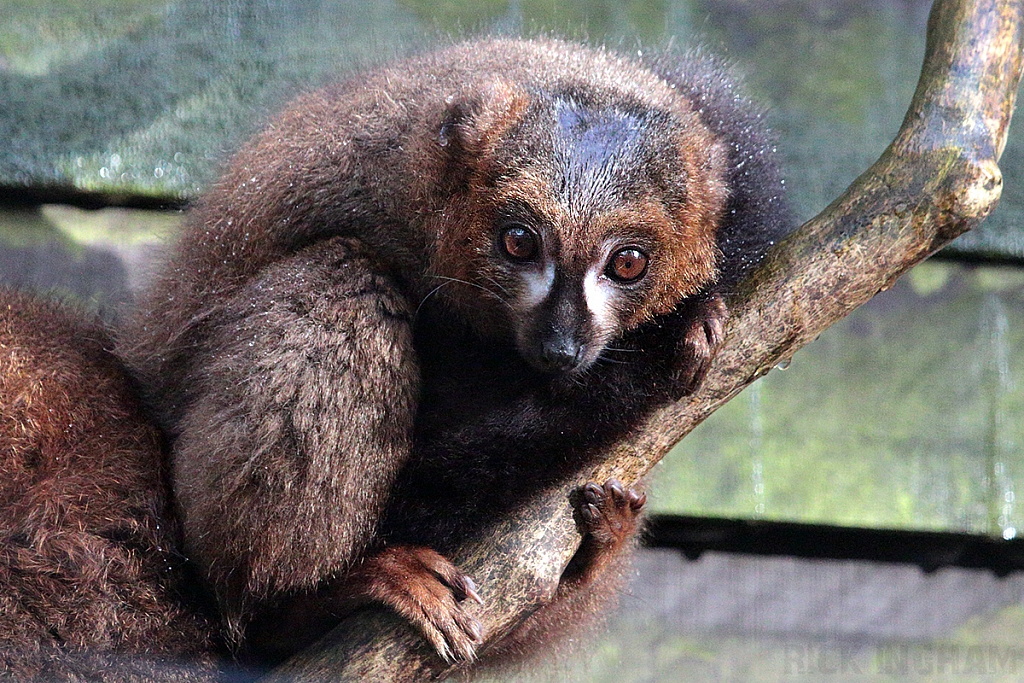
column 571, row 291
column 585, row 220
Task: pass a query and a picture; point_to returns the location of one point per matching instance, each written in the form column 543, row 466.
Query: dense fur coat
column 89, row 576
column 395, row 316
column 423, row 293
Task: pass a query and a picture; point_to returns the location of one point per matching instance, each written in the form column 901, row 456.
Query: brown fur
column 296, row 177
column 343, row 362
column 89, row 578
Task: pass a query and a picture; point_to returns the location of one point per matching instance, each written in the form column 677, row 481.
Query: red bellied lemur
column 422, row 295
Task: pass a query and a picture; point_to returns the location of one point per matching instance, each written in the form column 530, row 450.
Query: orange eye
column 627, row 265
column 519, row 243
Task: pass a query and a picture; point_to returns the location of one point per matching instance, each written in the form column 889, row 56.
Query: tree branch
column 938, row 179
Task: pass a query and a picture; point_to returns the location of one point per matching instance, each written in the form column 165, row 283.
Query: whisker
column 614, row 361
column 497, row 285
column 578, row 378
column 431, row 293
column 622, row 349
column 472, row 284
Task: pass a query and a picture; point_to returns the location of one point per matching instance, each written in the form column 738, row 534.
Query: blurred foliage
column 151, row 100
column 96, row 258
column 908, row 413
column 838, row 76
column 37, row 37
column 645, row 21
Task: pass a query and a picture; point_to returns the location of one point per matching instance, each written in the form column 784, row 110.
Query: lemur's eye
column 518, row 242
column 627, row 265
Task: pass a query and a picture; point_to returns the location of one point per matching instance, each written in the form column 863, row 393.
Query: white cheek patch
column 600, row 296
column 539, row 284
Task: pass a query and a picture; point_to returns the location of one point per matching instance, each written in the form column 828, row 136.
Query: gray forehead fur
column 594, row 149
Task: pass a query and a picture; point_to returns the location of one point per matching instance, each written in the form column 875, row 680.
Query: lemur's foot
column 699, row 343
column 429, row 591
column 611, row 513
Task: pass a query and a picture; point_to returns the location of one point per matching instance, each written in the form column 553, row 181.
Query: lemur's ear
column 475, row 121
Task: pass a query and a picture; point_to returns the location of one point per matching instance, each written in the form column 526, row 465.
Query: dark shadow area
column 929, row 550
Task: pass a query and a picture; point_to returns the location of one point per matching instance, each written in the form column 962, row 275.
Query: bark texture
column 938, row 179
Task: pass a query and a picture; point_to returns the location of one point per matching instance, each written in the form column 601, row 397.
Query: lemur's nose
column 559, row 354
